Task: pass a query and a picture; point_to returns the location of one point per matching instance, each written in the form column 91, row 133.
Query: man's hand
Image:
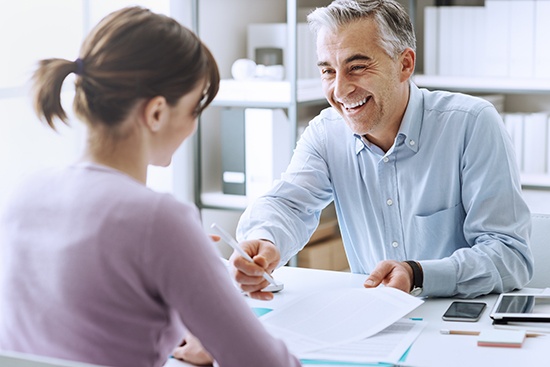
column 391, row 273
column 250, row 276
column 192, row 351
column 214, row 237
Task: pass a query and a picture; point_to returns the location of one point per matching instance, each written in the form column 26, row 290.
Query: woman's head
column 132, row 55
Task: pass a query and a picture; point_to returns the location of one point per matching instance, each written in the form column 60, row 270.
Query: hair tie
column 79, row 66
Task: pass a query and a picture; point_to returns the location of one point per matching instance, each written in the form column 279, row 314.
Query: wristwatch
column 418, row 278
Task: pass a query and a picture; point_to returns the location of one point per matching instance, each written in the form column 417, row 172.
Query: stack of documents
column 348, row 325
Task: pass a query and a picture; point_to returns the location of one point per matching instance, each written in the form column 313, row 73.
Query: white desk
column 431, row 348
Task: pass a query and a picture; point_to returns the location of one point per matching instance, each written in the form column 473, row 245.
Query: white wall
column 32, row 30
column 35, row 29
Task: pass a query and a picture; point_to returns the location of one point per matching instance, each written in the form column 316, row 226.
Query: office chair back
column 540, row 246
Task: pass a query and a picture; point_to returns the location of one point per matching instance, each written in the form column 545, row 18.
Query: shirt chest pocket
column 439, row 233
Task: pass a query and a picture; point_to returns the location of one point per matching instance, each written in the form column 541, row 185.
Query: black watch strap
column 418, row 276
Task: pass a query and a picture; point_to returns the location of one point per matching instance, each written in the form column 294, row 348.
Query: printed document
column 332, row 318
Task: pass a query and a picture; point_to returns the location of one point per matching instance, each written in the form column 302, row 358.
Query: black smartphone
column 464, row 311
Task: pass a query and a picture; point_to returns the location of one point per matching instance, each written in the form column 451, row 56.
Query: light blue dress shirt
column 447, row 194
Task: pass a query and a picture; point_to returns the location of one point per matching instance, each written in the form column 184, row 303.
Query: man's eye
column 357, row 67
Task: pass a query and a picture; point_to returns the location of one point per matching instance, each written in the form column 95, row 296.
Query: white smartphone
column 464, row 311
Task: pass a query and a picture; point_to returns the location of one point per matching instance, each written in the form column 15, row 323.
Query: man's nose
column 342, row 86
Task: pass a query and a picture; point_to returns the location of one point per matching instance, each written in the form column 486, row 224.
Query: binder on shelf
column 497, row 29
column 431, row 40
column 267, row 147
column 534, row 152
column 255, row 149
column 454, row 39
column 514, row 126
column 464, row 22
column 478, row 39
column 447, row 41
column 542, row 30
column 522, row 34
column 233, row 151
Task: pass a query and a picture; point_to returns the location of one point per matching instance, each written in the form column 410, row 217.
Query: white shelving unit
column 260, row 94
column 290, row 94
column 484, row 85
column 293, row 94
column 524, row 95
column 521, row 95
column 276, row 94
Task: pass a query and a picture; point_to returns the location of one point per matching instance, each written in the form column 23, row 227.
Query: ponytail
column 48, row 80
column 131, row 55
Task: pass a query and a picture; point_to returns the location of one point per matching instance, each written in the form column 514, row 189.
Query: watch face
column 417, row 291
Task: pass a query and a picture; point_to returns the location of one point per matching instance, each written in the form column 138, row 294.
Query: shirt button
column 394, row 244
column 389, row 202
column 412, row 142
column 386, row 159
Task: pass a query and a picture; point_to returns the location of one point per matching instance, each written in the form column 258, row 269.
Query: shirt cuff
column 439, row 277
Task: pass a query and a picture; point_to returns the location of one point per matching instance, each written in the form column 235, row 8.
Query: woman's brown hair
column 133, row 54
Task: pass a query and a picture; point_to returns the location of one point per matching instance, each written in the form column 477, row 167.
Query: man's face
column 360, row 80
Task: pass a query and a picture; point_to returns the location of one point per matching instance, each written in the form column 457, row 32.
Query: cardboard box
column 327, row 255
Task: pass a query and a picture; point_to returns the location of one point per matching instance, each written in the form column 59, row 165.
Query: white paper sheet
column 335, row 317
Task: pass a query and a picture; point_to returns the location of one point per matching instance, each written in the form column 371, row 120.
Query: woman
column 99, row 268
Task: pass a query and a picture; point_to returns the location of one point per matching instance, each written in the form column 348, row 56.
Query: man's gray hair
column 394, row 24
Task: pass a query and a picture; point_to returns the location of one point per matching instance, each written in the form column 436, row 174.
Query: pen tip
column 444, row 331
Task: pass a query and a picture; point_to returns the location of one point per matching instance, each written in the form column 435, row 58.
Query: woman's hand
column 192, row 351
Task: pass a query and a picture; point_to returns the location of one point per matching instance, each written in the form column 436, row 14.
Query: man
column 424, row 183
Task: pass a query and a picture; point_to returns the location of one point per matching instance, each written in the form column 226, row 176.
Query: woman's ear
column 155, row 113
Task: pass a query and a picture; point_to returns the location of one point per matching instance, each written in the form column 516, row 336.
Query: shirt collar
column 409, row 130
column 412, row 119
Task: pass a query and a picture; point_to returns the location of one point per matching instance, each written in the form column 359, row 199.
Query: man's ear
column 155, row 113
column 407, row 61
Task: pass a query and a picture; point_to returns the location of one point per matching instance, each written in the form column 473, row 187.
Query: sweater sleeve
column 191, row 279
